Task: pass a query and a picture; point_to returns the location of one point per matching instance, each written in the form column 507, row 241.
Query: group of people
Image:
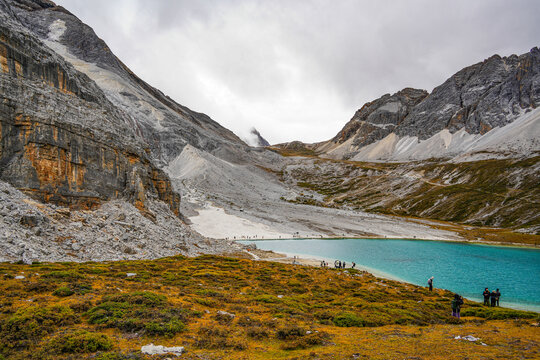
column 491, row 298
column 338, row 264
column 342, row 265
column 494, row 296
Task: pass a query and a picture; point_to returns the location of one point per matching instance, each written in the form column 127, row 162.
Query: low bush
column 307, row 341
column 168, row 329
column 64, row 275
column 80, row 342
column 257, row 332
column 267, row 299
column 213, row 337
column 63, row 291
column 139, row 311
column 290, row 332
column 40, row 286
column 348, row 320
column 29, row 325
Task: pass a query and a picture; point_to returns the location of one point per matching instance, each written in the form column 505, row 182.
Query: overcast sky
column 298, row 70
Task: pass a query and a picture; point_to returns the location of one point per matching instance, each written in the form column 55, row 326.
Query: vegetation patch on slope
column 489, row 193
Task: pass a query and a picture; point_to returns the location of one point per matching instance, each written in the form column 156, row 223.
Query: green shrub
column 63, row 291
column 348, row 320
column 64, row 275
column 30, row 324
column 168, row 329
column 80, row 342
column 139, row 311
column 269, row 299
column 290, row 332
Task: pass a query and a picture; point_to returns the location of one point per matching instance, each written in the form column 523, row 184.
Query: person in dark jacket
column 498, row 295
column 430, row 283
column 493, row 296
column 456, row 306
column 486, row 294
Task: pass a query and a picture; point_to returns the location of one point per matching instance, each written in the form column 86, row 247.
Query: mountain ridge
column 477, row 99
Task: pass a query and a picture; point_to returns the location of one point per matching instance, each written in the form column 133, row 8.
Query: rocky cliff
column 413, row 125
column 154, row 118
column 62, row 140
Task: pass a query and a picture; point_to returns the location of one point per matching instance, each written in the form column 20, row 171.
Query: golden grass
column 281, row 312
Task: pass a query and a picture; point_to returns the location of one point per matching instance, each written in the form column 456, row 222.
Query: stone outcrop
column 61, row 139
column 379, row 118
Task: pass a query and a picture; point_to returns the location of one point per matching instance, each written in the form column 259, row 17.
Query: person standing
column 486, row 294
column 493, row 297
column 353, row 265
column 430, row 283
column 498, row 295
column 456, row 306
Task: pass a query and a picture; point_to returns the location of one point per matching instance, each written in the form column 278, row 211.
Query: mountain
column 468, row 152
column 78, row 129
column 487, row 110
column 97, row 164
column 256, row 139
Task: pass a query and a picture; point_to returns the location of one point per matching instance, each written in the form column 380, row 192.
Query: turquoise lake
column 459, row 267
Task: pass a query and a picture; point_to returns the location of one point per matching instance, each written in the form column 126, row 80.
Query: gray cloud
column 299, row 69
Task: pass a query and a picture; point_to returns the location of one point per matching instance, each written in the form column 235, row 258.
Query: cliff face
column 154, row 118
column 379, row 118
column 62, row 140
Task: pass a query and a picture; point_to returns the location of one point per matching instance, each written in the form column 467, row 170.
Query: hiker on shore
column 430, row 283
column 497, row 297
column 456, row 306
column 493, row 297
column 486, row 294
column 343, row 263
column 353, row 265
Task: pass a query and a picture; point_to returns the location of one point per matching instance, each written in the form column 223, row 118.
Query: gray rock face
column 490, row 94
column 61, row 139
column 480, row 97
column 157, row 120
column 379, row 118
